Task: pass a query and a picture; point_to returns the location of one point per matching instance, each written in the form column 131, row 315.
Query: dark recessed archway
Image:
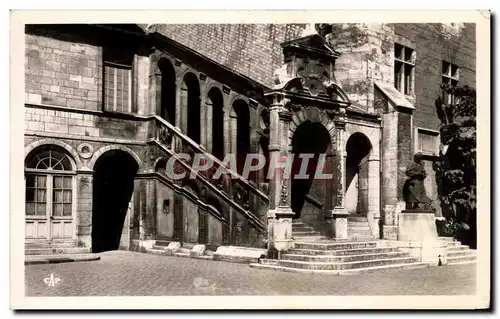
column 113, row 185
column 217, row 101
column 358, row 147
column 167, row 90
column 242, row 114
column 309, row 138
column 193, row 106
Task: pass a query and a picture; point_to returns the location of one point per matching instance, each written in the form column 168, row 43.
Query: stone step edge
column 344, row 256
column 465, row 262
column 352, row 249
column 414, row 265
column 54, row 259
column 348, row 262
column 207, row 255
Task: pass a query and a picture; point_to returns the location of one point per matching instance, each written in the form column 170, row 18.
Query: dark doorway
column 242, row 133
column 215, row 96
column 167, row 90
column 193, row 107
column 309, row 138
column 113, row 186
column 358, row 148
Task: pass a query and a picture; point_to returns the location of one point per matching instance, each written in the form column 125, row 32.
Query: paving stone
column 134, row 274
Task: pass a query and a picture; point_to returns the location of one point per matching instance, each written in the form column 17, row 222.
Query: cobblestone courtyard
column 130, row 273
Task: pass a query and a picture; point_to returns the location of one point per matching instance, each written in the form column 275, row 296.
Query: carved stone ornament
column 284, row 195
column 85, row 150
column 165, row 136
column 313, row 76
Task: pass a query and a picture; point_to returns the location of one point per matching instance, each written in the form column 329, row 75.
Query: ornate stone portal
column 305, row 80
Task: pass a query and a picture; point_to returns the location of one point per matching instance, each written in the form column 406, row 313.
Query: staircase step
column 343, row 259
column 344, row 252
column 155, row 251
column 305, row 233
column 329, row 245
column 461, row 259
column 358, row 228
column 452, row 239
column 302, row 228
column 342, row 265
column 56, row 250
column 340, row 272
column 463, row 252
column 308, row 238
column 361, row 237
column 352, row 218
column 163, row 243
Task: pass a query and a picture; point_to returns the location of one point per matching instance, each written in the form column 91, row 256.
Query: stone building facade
column 106, row 106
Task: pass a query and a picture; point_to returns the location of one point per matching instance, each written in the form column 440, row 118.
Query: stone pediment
column 313, row 45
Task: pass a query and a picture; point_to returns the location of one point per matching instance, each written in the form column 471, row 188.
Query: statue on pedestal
column 414, row 190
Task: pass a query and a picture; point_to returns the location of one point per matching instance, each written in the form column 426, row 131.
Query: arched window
column 49, row 177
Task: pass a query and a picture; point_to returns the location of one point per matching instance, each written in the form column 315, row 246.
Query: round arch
column 105, row 149
column 358, row 149
column 76, row 162
column 313, row 115
column 304, row 186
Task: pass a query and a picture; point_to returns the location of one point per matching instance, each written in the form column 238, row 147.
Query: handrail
column 197, row 147
column 313, row 201
column 251, row 216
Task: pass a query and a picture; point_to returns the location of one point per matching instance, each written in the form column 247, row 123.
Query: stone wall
column 62, row 72
column 433, row 44
column 250, row 49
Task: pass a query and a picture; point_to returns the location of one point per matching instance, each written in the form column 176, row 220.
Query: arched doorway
column 309, row 138
column 50, row 175
column 192, row 102
column 216, row 101
column 113, row 186
column 167, row 90
column 241, row 132
column 358, row 148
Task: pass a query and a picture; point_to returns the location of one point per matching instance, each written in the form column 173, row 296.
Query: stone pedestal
column 417, row 225
column 336, row 221
column 279, row 231
column 417, row 234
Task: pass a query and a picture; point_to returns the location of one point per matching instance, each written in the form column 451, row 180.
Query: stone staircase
column 54, row 247
column 357, row 229
column 314, row 253
column 457, row 253
column 341, row 258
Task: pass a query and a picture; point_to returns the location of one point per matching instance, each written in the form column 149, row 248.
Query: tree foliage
column 456, row 171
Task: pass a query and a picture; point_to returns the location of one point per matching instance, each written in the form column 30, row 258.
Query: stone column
column 279, row 215
column 374, row 196
column 181, row 108
column 206, row 134
column 389, row 187
column 337, row 217
column 84, row 208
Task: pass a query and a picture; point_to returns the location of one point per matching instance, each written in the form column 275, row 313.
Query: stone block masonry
column 69, row 124
column 63, row 73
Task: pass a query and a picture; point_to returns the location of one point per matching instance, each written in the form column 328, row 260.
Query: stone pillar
column 389, row 174
column 84, row 187
column 181, row 108
column 206, row 132
column 280, row 214
column 337, row 217
column 144, row 210
column 374, row 196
